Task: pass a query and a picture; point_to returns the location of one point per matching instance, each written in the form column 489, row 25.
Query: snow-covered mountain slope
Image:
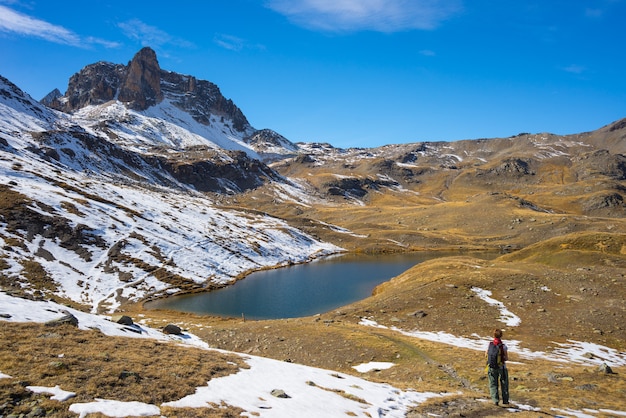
column 92, row 221
column 160, row 127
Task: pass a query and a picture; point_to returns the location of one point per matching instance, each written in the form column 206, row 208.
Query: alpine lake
column 303, row 289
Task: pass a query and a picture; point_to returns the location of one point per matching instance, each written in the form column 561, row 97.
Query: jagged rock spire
column 142, row 86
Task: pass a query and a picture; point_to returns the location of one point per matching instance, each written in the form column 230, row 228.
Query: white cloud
column 376, row 15
column 21, row 24
column 235, row 43
column 24, row 25
column 229, row 42
column 149, row 35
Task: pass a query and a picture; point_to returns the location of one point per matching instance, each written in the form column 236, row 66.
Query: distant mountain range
column 139, row 182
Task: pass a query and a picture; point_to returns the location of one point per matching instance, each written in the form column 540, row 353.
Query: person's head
column 497, row 333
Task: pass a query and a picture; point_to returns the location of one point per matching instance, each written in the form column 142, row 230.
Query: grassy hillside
column 563, row 289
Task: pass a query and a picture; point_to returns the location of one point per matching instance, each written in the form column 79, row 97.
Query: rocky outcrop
column 271, row 145
column 514, row 166
column 138, row 84
column 51, row 97
column 601, row 163
column 210, row 175
column 352, row 187
column 95, row 84
column 142, row 85
column 201, row 99
column 605, row 204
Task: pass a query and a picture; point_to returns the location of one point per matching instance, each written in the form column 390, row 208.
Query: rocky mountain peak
column 142, row 85
column 51, row 97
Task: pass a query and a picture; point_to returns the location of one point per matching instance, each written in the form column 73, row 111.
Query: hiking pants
column 502, row 375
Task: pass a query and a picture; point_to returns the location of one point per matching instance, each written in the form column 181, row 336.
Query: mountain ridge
column 142, row 84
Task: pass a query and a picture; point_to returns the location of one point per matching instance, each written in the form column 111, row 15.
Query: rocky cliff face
column 142, row 84
column 201, row 99
column 95, row 84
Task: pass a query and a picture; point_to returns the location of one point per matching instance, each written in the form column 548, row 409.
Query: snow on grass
column 161, row 125
column 506, row 316
column 341, row 230
column 57, row 393
column 572, row 413
column 23, row 310
column 587, row 413
column 570, row 352
column 115, row 408
column 311, row 392
column 180, row 233
column 373, row 365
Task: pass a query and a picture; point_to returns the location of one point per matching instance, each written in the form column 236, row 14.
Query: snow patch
column 57, row 393
column 372, row 365
column 115, row 409
column 506, row 316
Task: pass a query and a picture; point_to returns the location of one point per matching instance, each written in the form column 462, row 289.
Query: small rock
column 68, row 318
column 37, row 412
column 122, row 319
column 604, row 368
column 57, row 365
column 172, row 329
column 279, row 393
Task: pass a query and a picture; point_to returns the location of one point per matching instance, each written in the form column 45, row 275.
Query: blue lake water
column 300, row 290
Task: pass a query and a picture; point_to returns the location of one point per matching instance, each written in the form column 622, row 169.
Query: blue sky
column 351, row 72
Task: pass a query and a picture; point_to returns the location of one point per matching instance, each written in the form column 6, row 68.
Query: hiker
column 497, row 355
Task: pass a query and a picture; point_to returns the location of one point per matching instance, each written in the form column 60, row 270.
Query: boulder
column 68, row 318
column 172, row 329
column 122, row 319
